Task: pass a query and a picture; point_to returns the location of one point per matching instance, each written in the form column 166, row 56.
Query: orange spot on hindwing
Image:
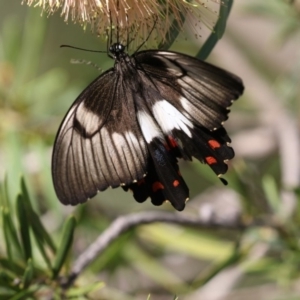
column 214, row 144
column 157, row 186
column 210, row 160
column 176, row 183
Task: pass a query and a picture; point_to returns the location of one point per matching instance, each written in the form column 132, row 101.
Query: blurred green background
column 37, row 86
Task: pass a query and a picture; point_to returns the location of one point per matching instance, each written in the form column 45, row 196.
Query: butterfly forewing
column 99, row 143
column 200, row 90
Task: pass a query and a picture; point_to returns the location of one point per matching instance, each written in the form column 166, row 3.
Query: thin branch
column 124, row 223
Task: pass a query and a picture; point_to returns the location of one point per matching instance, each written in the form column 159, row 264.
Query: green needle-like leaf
column 28, row 274
column 4, row 198
column 25, row 294
column 10, row 233
column 65, row 245
column 271, row 192
column 24, row 227
column 11, row 266
column 38, row 228
column 40, row 232
column 82, row 291
column 6, row 235
column 6, row 279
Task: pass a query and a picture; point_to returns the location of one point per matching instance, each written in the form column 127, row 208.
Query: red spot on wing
column 210, row 160
column 214, row 144
column 157, row 186
column 172, row 142
column 176, row 183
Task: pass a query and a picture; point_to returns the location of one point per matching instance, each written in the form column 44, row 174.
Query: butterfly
column 130, row 126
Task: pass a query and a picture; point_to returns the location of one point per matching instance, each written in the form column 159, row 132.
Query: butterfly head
column 116, row 49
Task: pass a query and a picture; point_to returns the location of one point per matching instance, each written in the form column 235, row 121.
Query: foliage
column 31, row 261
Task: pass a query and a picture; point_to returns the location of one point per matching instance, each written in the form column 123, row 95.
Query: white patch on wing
column 118, row 139
column 168, row 117
column 88, row 120
column 149, row 129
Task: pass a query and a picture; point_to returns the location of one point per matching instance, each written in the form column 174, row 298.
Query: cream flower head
column 134, row 17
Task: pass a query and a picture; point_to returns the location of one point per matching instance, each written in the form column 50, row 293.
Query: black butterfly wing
column 99, row 143
column 163, row 181
column 189, row 100
column 199, row 90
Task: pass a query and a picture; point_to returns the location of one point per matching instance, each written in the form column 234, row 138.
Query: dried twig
column 124, row 223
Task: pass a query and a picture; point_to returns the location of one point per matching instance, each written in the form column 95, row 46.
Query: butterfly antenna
column 127, row 29
column 86, row 62
column 107, row 43
column 145, row 41
column 109, row 36
column 83, row 49
column 118, row 9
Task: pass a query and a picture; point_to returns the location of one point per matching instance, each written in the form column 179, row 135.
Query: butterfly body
column 133, row 122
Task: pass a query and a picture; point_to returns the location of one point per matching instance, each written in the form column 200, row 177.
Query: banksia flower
column 134, row 17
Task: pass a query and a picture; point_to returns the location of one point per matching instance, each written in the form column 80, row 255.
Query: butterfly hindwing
column 209, row 147
column 163, row 181
column 99, row 143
